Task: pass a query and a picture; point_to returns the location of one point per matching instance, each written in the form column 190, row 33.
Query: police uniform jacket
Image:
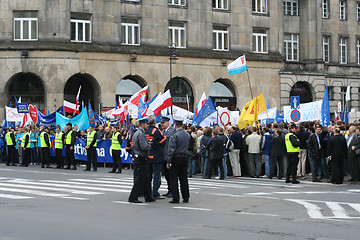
column 295, row 142
column 46, row 138
column 178, row 144
column 167, row 133
column 27, row 139
column 93, row 141
column 12, row 137
column 141, row 146
column 73, row 138
column 156, row 154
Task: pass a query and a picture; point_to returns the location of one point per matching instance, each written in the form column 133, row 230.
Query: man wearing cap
column 70, row 139
column 168, row 131
column 116, row 142
column 10, row 142
column 177, row 162
column 59, row 145
column 45, row 147
column 91, row 149
column 292, row 144
column 141, row 148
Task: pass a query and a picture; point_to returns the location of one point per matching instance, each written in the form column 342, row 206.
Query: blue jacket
column 205, row 143
column 236, row 138
column 33, row 140
column 266, row 150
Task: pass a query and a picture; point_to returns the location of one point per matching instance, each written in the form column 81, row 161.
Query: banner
column 12, row 115
column 308, row 112
column 49, row 120
column 103, row 151
column 82, row 120
column 22, row 107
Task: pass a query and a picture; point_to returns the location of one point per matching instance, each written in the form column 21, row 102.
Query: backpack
column 229, row 145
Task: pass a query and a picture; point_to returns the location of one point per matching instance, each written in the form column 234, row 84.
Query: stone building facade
column 48, row 48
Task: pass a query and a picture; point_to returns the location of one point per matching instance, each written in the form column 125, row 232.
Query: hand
column 86, row 147
column 24, row 149
column 168, row 166
column 353, row 148
column 71, row 148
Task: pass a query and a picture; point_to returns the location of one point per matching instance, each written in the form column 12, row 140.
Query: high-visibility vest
column 68, row 137
column 289, row 147
column 115, row 145
column 58, row 140
column 89, row 138
column 23, row 141
column 42, row 139
column 9, row 141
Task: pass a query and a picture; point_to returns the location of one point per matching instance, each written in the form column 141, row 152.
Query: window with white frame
column 291, row 47
column 326, row 49
column 342, row 10
column 220, row 4
column 80, row 27
column 260, row 6
column 25, row 26
column 177, row 34
column 358, row 11
column 343, row 50
column 220, row 38
column 291, row 7
column 260, row 42
column 358, row 51
column 130, row 32
column 177, row 2
column 325, row 8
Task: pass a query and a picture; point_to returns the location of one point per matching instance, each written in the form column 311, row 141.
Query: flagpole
column 247, row 70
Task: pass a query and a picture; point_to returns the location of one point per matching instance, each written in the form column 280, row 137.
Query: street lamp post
column 172, row 58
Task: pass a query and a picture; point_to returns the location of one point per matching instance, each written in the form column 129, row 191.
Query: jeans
column 225, row 167
column 33, row 155
column 323, row 167
column 254, row 159
column 267, row 164
column 190, row 163
column 204, row 164
column 154, row 175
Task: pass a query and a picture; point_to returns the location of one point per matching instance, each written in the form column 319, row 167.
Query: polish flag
column 71, row 107
column 77, row 101
column 135, row 98
column 160, row 103
column 337, row 117
column 201, row 103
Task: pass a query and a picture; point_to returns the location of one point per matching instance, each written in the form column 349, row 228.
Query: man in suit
column 277, row 152
column 350, row 139
column 216, row 155
column 337, row 150
column 315, row 145
column 355, row 146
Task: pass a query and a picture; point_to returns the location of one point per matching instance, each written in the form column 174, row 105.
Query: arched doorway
column 29, row 87
column 224, row 93
column 128, row 86
column 180, row 89
column 303, row 90
column 90, row 89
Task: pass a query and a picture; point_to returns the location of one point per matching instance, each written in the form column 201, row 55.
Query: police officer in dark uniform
column 168, row 131
column 11, row 144
column 141, row 148
column 292, row 144
column 45, row 147
column 70, row 139
column 91, row 144
column 177, row 162
column 116, row 142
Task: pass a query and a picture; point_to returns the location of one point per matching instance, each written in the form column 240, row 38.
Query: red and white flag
column 71, row 107
column 337, row 117
column 142, row 93
column 201, row 103
column 160, row 103
column 77, row 101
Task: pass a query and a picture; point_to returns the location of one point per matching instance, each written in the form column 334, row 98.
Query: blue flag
column 92, row 120
column 345, row 115
column 100, row 120
column 82, row 120
column 141, row 108
column 325, row 109
column 204, row 118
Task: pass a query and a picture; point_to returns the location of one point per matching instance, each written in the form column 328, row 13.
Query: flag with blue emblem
column 141, row 108
column 92, row 120
column 207, row 114
column 325, row 109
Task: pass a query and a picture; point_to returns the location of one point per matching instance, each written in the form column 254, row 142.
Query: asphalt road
column 56, row 204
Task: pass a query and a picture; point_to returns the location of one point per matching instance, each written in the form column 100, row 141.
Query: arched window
column 224, row 93
column 128, row 86
column 181, row 93
column 302, row 89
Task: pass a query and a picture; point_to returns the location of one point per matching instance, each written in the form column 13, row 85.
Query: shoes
column 160, row 197
column 135, row 201
column 170, row 195
column 173, row 201
column 48, row 166
column 186, row 201
column 287, row 181
column 13, row 164
column 7, row 164
column 150, row 200
column 42, row 166
column 66, row 167
column 252, row 176
column 257, row 176
column 73, row 168
column 86, row 170
column 112, row 171
column 118, row 171
column 279, row 178
column 217, row 178
column 166, row 194
column 351, row 180
column 94, row 170
column 295, row 182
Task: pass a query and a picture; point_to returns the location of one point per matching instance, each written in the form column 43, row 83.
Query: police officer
column 91, row 149
column 177, row 162
column 116, row 142
column 25, row 144
column 45, row 147
column 168, row 131
column 11, row 143
column 141, row 148
column 70, row 139
column 292, row 144
column 59, row 145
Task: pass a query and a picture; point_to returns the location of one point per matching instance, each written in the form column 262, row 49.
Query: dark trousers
column 166, row 173
column 45, row 156
column 214, row 164
column 26, row 157
column 70, row 157
column 91, row 156
column 179, row 171
column 117, row 163
column 337, row 170
column 276, row 165
column 11, row 155
column 315, row 167
column 59, row 158
column 292, row 160
column 140, row 181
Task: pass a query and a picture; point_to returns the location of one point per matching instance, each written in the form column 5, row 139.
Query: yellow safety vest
column 90, row 138
column 42, row 140
column 58, row 141
column 115, row 145
column 9, row 141
column 68, row 137
column 289, row 147
column 23, row 141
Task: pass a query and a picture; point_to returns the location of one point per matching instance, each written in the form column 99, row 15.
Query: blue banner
column 22, row 107
column 82, row 120
column 103, row 151
column 49, row 120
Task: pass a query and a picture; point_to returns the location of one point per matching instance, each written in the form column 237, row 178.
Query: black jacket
column 277, row 146
column 216, row 148
column 337, row 147
column 303, row 136
column 313, row 146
